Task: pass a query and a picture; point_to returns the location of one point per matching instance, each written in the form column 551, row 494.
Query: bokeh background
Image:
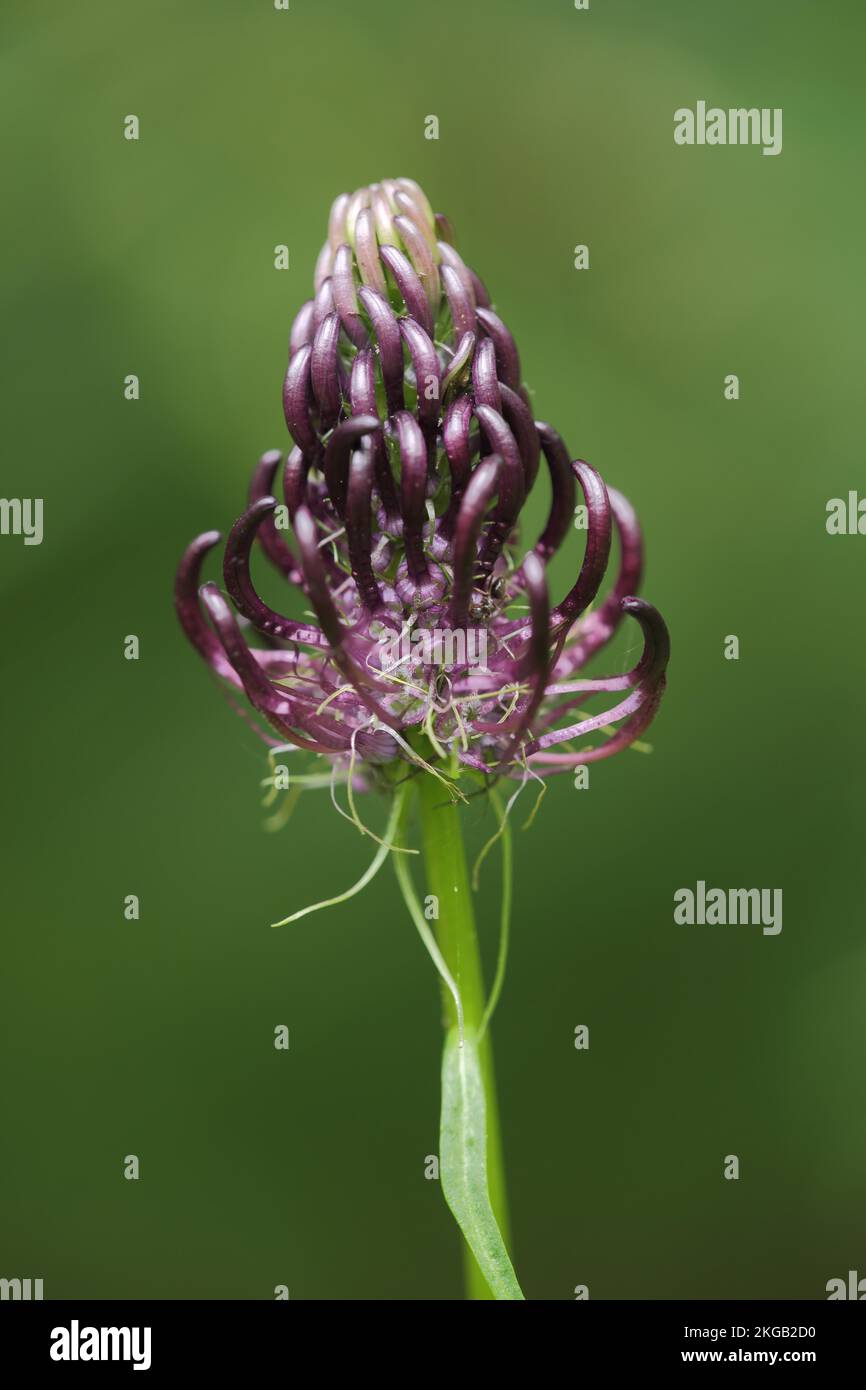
column 156, row 1038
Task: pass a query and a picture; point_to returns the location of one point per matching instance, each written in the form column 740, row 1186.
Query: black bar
column 226, row 1338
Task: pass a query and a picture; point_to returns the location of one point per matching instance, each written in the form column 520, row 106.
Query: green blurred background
column 156, row 1038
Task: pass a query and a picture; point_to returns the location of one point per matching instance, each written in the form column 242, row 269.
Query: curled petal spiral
column 414, row 453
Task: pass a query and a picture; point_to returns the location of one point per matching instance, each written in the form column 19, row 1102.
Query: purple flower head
column 395, row 518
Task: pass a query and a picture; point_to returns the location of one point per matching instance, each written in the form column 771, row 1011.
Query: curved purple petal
column 186, row 602
column 302, row 327
column 323, row 304
column 359, row 528
column 598, row 627
column 413, row 492
column 268, row 699
column 511, row 485
column 421, row 256
column 482, row 487
column 562, row 490
column 522, row 426
column 297, row 403
column 409, row 287
column 236, row 573
column 362, row 396
column 367, row 252
column 460, row 302
column 454, row 261
column 425, row 364
column 325, row 371
column 345, row 299
column 337, row 455
column 324, row 264
column 337, row 220
column 507, row 358
column 389, row 344
column 484, row 382
column 597, row 550
column 272, row 543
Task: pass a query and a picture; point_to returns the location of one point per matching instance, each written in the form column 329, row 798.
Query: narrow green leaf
column 463, row 1163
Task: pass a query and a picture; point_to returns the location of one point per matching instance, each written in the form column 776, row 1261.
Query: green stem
column 448, row 880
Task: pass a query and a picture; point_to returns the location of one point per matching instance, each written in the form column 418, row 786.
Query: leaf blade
column 463, row 1163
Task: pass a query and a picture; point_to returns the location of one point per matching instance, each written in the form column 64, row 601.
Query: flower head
column 414, row 451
